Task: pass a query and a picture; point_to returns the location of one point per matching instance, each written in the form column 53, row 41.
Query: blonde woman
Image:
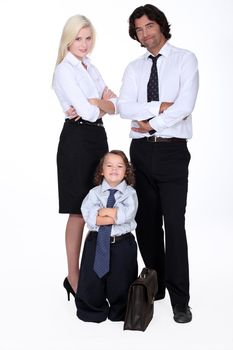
column 85, row 99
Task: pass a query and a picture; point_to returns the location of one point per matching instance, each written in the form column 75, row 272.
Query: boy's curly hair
column 129, row 174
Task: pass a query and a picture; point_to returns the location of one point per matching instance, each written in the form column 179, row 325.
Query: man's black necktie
column 153, row 83
column 102, row 253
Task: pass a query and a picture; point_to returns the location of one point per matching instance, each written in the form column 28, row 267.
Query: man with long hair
column 158, row 94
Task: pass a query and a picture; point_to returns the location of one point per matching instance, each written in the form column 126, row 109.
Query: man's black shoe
column 182, row 313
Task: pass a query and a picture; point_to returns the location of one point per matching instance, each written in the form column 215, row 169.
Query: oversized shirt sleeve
column 127, row 208
column 89, row 208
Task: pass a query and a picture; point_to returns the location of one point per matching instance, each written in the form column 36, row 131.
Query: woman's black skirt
column 80, row 148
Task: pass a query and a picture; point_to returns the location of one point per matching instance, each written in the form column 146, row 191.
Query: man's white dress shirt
column 178, row 83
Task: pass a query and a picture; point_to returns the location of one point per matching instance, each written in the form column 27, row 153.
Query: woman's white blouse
column 74, row 85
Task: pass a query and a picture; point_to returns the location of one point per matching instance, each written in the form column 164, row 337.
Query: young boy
column 102, row 291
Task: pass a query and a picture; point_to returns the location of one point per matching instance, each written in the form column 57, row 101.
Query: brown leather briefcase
column 140, row 305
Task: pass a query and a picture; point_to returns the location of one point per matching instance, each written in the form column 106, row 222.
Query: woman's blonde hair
column 72, row 27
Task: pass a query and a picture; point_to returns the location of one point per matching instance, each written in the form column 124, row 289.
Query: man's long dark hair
column 154, row 14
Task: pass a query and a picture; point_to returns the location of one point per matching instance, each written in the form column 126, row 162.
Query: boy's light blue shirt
column 126, row 204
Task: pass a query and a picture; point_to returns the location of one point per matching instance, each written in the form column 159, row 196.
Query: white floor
column 35, row 313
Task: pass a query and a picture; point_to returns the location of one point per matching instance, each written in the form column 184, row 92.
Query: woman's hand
column 96, row 102
column 104, row 105
column 107, row 94
column 72, row 114
column 102, row 113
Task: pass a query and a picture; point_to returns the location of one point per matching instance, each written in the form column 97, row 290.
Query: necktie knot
column 154, row 58
column 112, row 191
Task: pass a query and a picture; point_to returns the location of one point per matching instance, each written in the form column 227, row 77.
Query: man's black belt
column 161, row 139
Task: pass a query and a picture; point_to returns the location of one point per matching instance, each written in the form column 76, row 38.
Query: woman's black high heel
column 69, row 289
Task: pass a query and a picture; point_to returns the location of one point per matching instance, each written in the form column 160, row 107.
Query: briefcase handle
column 144, row 273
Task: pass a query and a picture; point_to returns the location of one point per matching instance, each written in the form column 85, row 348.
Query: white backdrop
column 34, row 313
